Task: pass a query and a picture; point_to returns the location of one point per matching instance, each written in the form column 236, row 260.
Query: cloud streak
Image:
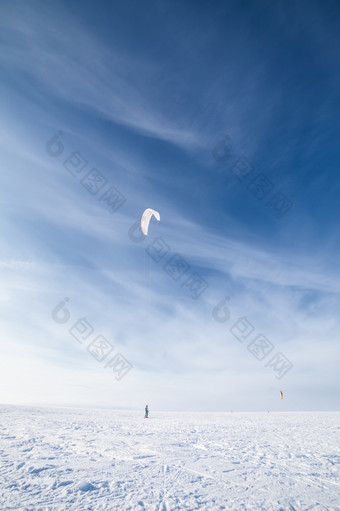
column 132, row 118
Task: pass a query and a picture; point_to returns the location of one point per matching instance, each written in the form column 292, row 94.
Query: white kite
column 146, row 217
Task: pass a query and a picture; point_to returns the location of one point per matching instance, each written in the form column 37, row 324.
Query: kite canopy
column 146, row 217
column 281, row 394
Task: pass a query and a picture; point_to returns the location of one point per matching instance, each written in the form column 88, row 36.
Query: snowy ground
column 63, row 459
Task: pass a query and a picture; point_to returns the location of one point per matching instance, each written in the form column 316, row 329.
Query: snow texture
column 58, row 459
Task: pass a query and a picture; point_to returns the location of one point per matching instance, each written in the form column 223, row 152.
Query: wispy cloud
column 58, row 240
column 98, row 78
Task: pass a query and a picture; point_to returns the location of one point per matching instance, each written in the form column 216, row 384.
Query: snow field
column 76, row 459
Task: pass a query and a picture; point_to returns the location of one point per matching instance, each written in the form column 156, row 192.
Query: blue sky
column 143, row 93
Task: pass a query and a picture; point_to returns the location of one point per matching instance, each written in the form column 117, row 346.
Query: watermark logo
column 93, row 181
column 261, row 187
column 257, row 344
column 99, row 347
column 175, row 266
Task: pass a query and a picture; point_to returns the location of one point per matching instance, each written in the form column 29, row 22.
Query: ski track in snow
column 66, row 459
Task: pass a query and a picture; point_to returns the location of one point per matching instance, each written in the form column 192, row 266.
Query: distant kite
column 281, row 394
column 146, row 217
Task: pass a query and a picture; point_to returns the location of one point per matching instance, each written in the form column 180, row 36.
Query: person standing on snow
column 146, row 416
